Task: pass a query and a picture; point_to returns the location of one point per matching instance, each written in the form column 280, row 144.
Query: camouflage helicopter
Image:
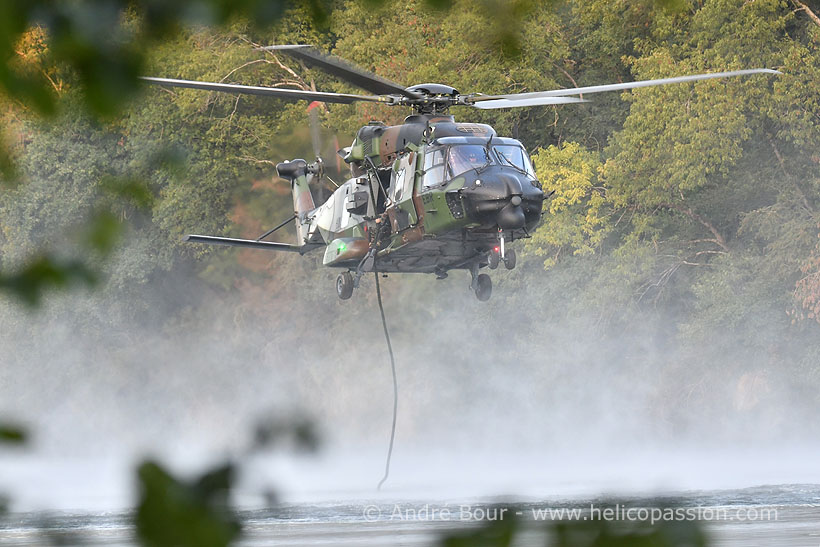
column 431, row 195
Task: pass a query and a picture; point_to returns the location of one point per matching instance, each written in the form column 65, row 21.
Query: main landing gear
column 349, row 280
column 481, row 284
column 344, row 285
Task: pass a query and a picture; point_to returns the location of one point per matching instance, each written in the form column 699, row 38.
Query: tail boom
column 251, row 243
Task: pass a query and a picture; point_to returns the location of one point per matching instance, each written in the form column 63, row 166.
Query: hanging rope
column 395, row 384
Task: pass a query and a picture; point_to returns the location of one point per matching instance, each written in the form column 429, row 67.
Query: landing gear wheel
column 344, row 285
column 483, row 287
column 493, row 259
column 509, row 259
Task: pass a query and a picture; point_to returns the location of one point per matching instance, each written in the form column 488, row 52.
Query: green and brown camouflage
column 382, row 144
column 394, row 209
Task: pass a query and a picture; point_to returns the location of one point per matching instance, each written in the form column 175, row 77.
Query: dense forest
column 673, row 286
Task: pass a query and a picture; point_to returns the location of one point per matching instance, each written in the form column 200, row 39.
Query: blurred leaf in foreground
column 11, row 434
column 103, row 232
column 595, row 532
column 577, row 533
column 46, row 272
column 300, row 433
column 134, row 190
column 496, row 533
column 172, row 512
column 8, row 170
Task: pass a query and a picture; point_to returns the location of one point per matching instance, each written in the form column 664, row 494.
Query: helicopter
column 431, row 195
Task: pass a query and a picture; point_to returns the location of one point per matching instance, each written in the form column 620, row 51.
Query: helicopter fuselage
column 432, row 195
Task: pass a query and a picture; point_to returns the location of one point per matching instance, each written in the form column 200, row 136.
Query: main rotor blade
column 292, row 94
column 536, row 101
column 344, row 70
column 524, row 99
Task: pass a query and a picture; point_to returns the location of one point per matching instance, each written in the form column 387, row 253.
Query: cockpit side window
column 433, row 168
column 510, row 154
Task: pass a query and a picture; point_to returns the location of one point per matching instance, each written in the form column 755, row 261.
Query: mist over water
column 493, row 400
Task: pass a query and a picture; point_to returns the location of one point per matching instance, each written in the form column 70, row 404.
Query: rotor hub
column 435, row 98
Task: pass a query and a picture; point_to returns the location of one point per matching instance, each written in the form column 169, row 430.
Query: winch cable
column 395, row 384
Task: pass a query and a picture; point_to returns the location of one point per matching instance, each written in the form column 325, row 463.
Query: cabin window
column 463, row 157
column 510, row 154
column 433, row 168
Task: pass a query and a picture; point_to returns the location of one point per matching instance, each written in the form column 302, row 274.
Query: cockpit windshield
column 510, row 154
column 463, row 157
column 445, row 163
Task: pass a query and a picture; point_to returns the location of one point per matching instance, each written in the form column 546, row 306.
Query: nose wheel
column 501, row 254
column 493, row 259
column 509, row 259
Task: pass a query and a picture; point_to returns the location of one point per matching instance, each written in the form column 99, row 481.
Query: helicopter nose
column 511, row 216
column 500, row 198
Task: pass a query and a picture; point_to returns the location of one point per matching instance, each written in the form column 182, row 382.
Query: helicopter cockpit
column 450, row 157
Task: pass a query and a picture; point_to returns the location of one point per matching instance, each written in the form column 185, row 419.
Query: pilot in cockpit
column 463, row 158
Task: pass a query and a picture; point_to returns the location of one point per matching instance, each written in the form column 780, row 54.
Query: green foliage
column 198, row 512
column 103, row 41
column 103, row 232
column 662, row 196
column 808, row 289
column 594, row 532
column 134, row 191
column 8, row 170
column 602, row 533
column 42, row 273
column 495, row 533
column 172, row 512
column 706, row 199
column 686, row 215
column 11, row 434
column 576, row 217
column 414, row 45
column 76, row 196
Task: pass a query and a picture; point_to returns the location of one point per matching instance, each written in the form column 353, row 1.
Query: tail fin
column 300, row 173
